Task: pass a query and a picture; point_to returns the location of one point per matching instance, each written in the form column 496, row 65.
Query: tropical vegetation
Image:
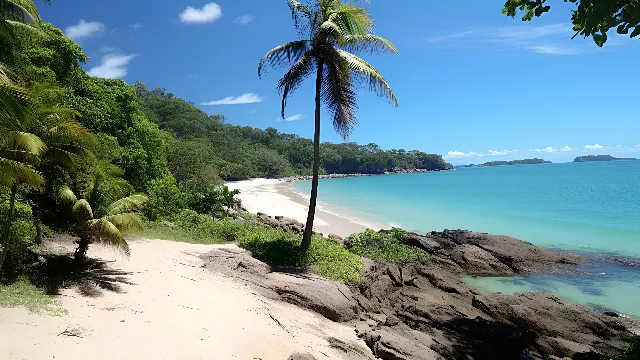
column 588, row 158
column 97, row 158
column 332, row 34
column 590, row 18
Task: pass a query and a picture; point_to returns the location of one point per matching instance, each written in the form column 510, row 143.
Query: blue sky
column 472, row 84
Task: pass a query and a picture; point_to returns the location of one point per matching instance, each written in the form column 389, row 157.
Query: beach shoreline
column 276, row 197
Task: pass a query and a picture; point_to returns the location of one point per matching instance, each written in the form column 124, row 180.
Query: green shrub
column 382, row 246
column 327, row 258
column 165, row 198
column 20, row 237
column 632, row 351
column 191, row 227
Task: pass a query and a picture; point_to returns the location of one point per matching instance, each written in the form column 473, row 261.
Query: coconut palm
column 13, row 14
column 332, row 33
column 106, row 212
column 50, row 135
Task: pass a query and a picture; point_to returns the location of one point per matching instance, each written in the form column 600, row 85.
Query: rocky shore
column 341, row 176
column 425, row 311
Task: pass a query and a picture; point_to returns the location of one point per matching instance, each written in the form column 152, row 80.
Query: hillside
column 589, row 158
column 516, row 162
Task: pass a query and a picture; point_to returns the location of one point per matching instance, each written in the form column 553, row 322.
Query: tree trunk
column 308, row 230
column 37, row 224
column 83, row 246
column 7, row 230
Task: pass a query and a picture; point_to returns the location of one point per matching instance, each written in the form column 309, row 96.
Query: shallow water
column 590, row 207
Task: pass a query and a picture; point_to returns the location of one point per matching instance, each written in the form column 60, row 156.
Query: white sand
column 275, row 197
column 174, row 309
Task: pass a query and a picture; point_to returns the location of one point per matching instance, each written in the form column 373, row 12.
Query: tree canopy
column 590, row 18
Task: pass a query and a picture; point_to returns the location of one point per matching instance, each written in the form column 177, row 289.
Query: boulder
column 329, row 298
column 336, row 238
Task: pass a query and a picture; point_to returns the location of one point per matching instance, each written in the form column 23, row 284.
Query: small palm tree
column 332, row 32
column 228, row 199
column 106, row 213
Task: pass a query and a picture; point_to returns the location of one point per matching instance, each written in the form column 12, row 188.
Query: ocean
column 592, row 208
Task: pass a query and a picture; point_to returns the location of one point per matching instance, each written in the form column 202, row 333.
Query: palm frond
column 295, row 76
column 14, row 172
column 338, row 94
column 66, row 196
column 58, row 155
column 302, row 16
column 285, row 54
column 329, row 32
column 23, row 142
column 105, row 232
column 353, row 20
column 13, row 101
column 368, row 43
column 82, row 211
column 372, row 77
column 127, row 205
column 30, row 27
column 126, row 221
column 27, row 8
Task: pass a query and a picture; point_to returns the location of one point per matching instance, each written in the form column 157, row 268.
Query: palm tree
column 332, row 32
column 49, row 135
column 106, row 213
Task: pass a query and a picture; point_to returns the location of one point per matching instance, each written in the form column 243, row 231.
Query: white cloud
column 84, row 29
column 554, row 50
column 295, row 117
column 449, row 37
column 108, row 48
column 552, row 39
column 112, row 66
column 461, row 155
column 136, row 26
column 244, row 20
column 567, row 149
column 207, row 14
column 499, row 153
column 246, row 98
column 548, row 149
column 594, row 147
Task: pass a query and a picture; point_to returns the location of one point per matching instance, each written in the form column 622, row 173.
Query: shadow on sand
column 90, row 277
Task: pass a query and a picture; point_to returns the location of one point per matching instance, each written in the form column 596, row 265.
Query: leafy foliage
column 189, row 226
column 632, row 351
column 390, row 246
column 594, row 18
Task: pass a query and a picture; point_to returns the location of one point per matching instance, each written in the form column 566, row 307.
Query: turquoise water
column 592, row 207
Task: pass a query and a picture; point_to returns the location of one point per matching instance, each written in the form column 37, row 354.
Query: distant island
column 516, row 162
column 599, row 158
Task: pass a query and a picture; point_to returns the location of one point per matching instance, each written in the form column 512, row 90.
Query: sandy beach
column 163, row 305
column 275, row 197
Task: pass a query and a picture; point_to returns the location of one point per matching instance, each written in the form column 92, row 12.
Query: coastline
column 276, row 197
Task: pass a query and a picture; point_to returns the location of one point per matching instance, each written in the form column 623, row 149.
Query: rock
column 388, row 345
column 167, row 223
column 476, row 261
column 329, row 298
column 336, row 238
column 460, row 324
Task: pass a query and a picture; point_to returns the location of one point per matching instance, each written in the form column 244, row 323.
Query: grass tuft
column 23, row 293
column 328, row 258
column 391, row 246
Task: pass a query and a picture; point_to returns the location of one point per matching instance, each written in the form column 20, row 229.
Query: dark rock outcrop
column 412, row 306
column 475, row 253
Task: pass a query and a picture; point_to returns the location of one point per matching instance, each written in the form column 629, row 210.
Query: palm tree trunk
column 7, row 229
column 308, row 230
